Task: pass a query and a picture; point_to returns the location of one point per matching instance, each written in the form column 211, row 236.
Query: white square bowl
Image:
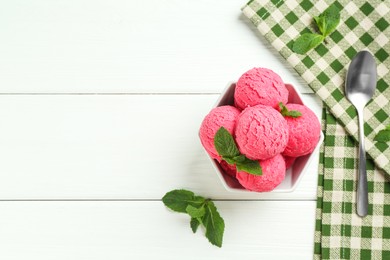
column 293, row 175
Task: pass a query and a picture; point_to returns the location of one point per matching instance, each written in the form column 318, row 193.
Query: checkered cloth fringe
column 340, row 233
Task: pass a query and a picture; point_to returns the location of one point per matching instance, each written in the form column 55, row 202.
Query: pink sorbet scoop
column 225, row 116
column 274, row 170
column 229, row 169
column 304, row 131
column 260, row 86
column 261, row 132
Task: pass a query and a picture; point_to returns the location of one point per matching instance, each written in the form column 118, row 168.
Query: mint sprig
column 290, row 113
column 194, row 223
column 306, row 42
column 226, row 147
column 326, row 23
column 201, row 210
column 383, row 135
column 179, row 201
column 328, row 20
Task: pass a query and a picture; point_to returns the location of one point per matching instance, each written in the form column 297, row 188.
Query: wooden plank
column 147, row 230
column 112, row 147
column 155, row 46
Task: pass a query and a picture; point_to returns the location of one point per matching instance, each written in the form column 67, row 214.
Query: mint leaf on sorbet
column 229, row 160
column 224, row 143
column 239, row 158
column 250, row 166
column 226, row 147
column 291, row 113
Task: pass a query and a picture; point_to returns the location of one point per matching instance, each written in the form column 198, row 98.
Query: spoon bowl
column 359, row 88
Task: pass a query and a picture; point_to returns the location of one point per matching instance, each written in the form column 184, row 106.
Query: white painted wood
column 129, row 147
column 147, row 230
column 129, row 46
column 112, row 147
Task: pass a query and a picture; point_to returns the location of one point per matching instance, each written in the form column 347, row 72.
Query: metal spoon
column 360, row 87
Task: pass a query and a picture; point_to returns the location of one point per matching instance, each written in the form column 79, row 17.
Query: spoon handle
column 362, row 191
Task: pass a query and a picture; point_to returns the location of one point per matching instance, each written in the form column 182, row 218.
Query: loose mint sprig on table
column 383, row 135
column 290, row 113
column 201, row 210
column 326, row 23
column 226, row 147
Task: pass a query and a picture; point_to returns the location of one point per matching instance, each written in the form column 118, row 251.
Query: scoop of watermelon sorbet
column 274, row 170
column 304, row 131
column 223, row 116
column 229, row 169
column 261, row 132
column 260, row 86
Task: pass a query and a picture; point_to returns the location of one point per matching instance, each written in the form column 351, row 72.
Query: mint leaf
column 229, row 160
column 224, row 143
column 194, row 223
column 178, row 200
column 321, row 23
column 214, row 224
column 283, row 108
column 328, row 20
column 294, row 113
column 290, row 113
column 250, row 166
column 306, row 42
column 240, row 158
column 202, row 212
column 226, row 147
column 195, row 212
column 383, row 135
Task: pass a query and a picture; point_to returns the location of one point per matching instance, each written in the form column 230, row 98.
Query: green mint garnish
column 226, row 147
column 249, row 166
column 224, row 144
column 383, row 135
column 201, row 210
column 195, row 212
column 291, row 113
column 239, row 158
column 194, row 223
column 326, row 22
column 178, row 200
column 306, row 42
column 214, row 224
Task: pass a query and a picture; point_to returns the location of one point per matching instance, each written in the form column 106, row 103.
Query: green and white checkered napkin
column 340, row 233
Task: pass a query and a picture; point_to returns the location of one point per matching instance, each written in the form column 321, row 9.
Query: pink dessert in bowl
column 221, row 116
column 229, row 169
column 304, row 131
column 260, row 134
column 289, row 161
column 260, row 86
column 274, row 170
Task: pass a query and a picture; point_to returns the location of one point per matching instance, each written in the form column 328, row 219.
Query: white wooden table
column 100, row 106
